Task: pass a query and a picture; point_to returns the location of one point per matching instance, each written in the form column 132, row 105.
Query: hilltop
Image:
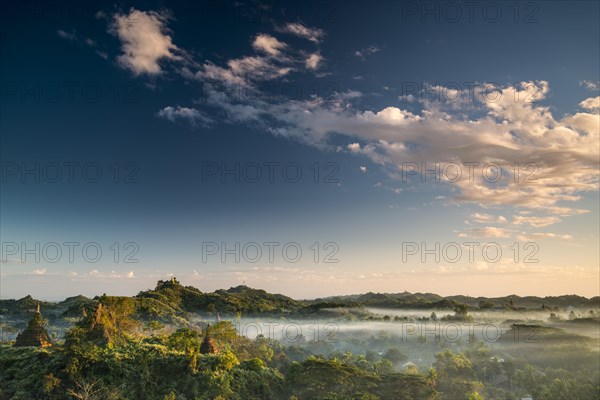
column 171, row 300
column 433, row 301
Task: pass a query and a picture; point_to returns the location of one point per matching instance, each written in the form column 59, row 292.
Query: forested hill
column 236, row 299
column 167, row 301
column 170, row 299
column 431, row 300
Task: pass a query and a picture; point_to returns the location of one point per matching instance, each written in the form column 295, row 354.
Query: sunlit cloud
column 144, row 41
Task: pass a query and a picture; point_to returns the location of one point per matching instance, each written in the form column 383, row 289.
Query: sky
column 305, row 148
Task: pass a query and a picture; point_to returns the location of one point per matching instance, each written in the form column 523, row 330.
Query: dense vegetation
column 152, row 346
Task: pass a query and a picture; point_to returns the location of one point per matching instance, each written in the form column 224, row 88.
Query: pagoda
column 35, row 334
column 208, row 345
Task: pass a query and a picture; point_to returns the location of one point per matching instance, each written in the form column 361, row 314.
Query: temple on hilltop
column 35, row 334
column 208, row 345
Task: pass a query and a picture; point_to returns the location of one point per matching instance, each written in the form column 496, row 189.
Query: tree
column 185, row 340
column 486, row 304
column 455, row 375
column 85, row 390
column 154, row 326
column 395, row 355
column 211, row 308
column 432, row 377
column 316, row 376
column 460, row 311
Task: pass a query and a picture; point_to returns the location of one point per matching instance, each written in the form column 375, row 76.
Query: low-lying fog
column 416, row 335
column 410, row 323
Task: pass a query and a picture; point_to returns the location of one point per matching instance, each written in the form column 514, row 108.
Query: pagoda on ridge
column 35, row 334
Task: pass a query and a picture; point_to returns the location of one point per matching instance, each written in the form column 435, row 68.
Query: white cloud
column 244, row 71
column 367, row 51
column 354, row 147
column 66, row 35
column 72, row 37
column 486, row 232
column 104, row 275
column 487, row 218
column 190, row 115
column 144, row 41
column 536, row 222
column 363, row 169
column 508, row 127
column 409, row 98
column 268, row 44
column 592, row 103
column 313, row 61
column 590, row 85
column 542, row 235
column 300, row 30
column 41, row 271
column 512, row 129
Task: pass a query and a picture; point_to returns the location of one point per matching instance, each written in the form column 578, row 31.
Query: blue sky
column 159, row 99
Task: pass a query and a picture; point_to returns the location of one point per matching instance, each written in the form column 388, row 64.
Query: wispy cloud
column 487, row 219
column 268, row 44
column 301, row 30
column 590, row 85
column 66, row 35
column 39, row 271
column 486, row 232
column 536, row 222
column 367, row 51
column 513, row 129
column 542, row 235
column 190, row 115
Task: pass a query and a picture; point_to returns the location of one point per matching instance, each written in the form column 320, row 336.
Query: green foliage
column 316, row 376
column 185, row 340
column 110, row 324
column 147, row 347
column 456, row 376
column 395, row 355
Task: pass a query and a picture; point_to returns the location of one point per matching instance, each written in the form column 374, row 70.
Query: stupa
column 35, row 334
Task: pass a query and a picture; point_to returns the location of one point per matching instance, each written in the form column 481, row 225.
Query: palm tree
column 432, row 377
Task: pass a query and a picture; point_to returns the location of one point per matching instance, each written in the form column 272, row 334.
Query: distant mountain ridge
column 425, row 300
column 170, row 299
